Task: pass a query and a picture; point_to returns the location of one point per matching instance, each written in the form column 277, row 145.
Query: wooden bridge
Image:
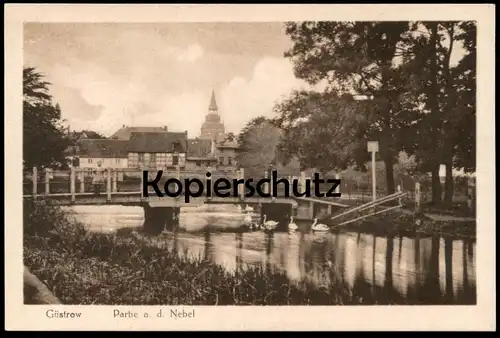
column 125, row 187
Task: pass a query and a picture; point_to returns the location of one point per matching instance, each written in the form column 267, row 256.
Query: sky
column 107, row 75
column 162, row 74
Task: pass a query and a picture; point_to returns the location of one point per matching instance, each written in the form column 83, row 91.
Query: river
column 423, row 268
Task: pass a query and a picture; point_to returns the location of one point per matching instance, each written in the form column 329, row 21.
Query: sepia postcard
column 250, row 167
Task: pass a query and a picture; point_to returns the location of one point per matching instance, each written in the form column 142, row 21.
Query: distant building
column 125, row 132
column 163, row 150
column 213, row 128
column 226, row 152
column 201, row 154
column 103, row 153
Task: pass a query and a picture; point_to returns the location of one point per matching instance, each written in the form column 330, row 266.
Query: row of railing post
column 112, row 178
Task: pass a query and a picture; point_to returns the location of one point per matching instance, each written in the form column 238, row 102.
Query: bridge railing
column 129, row 180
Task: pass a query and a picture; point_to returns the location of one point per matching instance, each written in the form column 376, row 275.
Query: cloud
column 133, row 103
column 191, row 54
column 241, row 100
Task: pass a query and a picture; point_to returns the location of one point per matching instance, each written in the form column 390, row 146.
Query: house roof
column 84, row 134
column 199, row 148
column 125, row 132
column 228, row 144
column 102, row 148
column 163, row 142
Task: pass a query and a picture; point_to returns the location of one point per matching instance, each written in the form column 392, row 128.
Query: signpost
column 373, row 148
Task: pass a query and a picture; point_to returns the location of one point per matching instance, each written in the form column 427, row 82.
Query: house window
column 152, row 160
column 175, row 160
column 141, row 158
column 221, row 160
column 117, row 161
column 161, row 160
column 198, row 163
column 90, row 160
column 229, row 162
column 132, row 160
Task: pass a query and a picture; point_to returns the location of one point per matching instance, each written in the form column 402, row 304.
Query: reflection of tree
column 239, row 253
column 207, row 244
column 400, row 248
column 464, row 262
column 430, row 290
column 374, row 252
column 388, row 283
column 448, row 255
column 269, row 250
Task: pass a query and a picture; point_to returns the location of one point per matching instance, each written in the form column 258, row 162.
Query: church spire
column 213, row 103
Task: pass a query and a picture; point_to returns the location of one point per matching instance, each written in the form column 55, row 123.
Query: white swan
column 248, row 208
column 319, row 227
column 247, row 219
column 292, row 225
column 239, row 208
column 269, row 225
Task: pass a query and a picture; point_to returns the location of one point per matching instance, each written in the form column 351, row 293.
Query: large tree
column 258, row 142
column 44, row 139
column 358, row 58
column 444, row 132
column 323, row 130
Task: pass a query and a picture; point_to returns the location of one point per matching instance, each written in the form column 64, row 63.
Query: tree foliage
column 258, row 142
column 388, row 81
column 44, row 139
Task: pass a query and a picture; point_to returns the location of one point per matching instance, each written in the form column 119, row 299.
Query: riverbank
column 404, row 222
column 82, row 267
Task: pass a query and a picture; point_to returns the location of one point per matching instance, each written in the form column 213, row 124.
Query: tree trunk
column 448, row 183
column 436, row 186
column 389, row 173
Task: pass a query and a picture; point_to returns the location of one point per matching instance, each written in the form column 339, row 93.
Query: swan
column 239, row 208
column 319, row 227
column 269, row 225
column 248, row 208
column 247, row 219
column 292, row 225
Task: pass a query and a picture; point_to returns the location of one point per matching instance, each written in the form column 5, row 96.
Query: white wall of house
column 93, row 162
column 159, row 160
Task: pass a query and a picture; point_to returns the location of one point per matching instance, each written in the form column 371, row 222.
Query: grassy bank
column 81, row 267
column 398, row 223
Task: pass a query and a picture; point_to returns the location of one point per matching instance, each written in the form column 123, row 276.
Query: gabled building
column 201, row 154
column 125, row 132
column 163, row 150
column 100, row 153
column 226, row 153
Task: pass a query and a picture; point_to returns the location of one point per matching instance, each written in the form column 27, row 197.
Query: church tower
column 213, row 128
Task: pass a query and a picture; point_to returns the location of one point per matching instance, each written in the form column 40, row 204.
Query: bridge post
column 47, row 180
column 115, row 178
column 311, row 210
column 241, row 187
column 267, row 189
column 417, row 198
column 337, row 177
column 141, row 184
column 81, row 175
column 72, row 185
column 108, row 185
column 35, row 182
column 209, row 186
column 302, row 181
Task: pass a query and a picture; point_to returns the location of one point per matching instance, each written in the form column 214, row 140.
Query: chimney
column 165, row 128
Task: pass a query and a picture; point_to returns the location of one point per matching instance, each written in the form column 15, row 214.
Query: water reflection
column 426, row 270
